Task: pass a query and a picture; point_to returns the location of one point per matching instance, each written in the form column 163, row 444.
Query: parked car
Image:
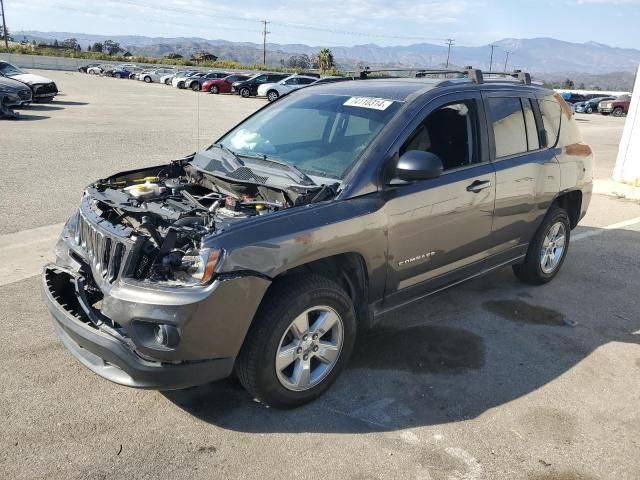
column 42, row 88
column 122, row 72
column 222, row 85
column 166, row 79
column 180, row 81
column 573, row 97
column 84, row 68
column 591, row 105
column 195, row 81
column 275, row 90
column 154, row 75
column 617, row 107
column 330, row 79
column 265, row 253
column 249, row 87
column 14, row 93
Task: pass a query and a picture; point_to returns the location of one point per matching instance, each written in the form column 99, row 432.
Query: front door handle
column 478, row 186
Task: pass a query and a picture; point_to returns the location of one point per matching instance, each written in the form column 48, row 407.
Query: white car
column 275, row 90
column 181, row 81
column 154, row 76
column 96, row 69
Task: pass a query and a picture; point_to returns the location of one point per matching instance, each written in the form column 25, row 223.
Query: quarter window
column 532, row 131
column 509, row 129
column 551, row 114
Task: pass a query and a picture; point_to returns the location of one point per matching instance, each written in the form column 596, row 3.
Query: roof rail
column 476, row 75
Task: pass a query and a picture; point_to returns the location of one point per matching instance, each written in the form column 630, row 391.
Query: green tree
column 98, row 47
column 325, row 60
column 111, row 47
column 71, row 43
column 568, row 83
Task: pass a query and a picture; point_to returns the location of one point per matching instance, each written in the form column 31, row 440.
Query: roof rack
column 474, row 74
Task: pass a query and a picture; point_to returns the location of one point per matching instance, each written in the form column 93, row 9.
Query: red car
column 618, row 107
column 222, row 85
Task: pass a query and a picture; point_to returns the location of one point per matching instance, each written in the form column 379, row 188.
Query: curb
column 616, row 189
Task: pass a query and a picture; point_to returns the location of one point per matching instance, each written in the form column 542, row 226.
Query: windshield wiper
column 303, row 178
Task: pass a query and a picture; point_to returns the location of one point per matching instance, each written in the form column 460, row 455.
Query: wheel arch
column 571, row 202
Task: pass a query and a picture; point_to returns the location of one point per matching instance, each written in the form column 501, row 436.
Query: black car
column 308, row 222
column 249, row 88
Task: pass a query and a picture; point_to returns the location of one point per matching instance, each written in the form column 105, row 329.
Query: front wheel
column 272, row 95
column 117, row 75
column 147, row 79
column 195, row 86
column 214, row 89
column 245, row 92
column 589, row 110
column 301, row 339
column 618, row 112
column 547, row 250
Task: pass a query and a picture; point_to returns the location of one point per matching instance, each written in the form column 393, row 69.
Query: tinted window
column 305, row 81
column 291, row 81
column 508, row 126
column 450, row 132
column 551, row 115
column 532, row 131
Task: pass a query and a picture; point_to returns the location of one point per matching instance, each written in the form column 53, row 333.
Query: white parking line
column 23, row 254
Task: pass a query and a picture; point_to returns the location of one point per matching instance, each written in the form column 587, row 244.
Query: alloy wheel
column 553, row 247
column 310, row 348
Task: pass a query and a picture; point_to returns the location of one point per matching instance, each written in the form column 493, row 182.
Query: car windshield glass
column 322, row 135
column 9, row 70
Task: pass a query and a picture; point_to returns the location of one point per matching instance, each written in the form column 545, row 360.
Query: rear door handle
column 478, row 186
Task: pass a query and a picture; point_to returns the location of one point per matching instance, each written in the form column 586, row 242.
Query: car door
column 439, row 229
column 527, row 173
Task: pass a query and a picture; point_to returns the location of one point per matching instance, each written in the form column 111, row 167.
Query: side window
column 450, row 132
column 261, row 79
column 291, row 81
column 305, row 81
column 508, row 126
column 532, row 131
column 551, row 114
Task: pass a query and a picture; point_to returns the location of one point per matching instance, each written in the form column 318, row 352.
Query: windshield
column 9, row 70
column 322, row 135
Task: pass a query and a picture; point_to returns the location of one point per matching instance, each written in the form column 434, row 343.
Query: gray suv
column 265, row 253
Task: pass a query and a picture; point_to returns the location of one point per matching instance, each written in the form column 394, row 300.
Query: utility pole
column 506, row 60
column 264, row 42
column 4, row 27
column 491, row 61
column 450, row 42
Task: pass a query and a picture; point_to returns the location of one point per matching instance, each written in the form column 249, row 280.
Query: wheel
column 299, row 342
column 272, row 95
column 117, row 75
column 589, row 110
column 245, row 92
column 180, row 84
column 214, row 89
column 547, row 250
column 147, row 79
column 618, row 112
column 195, row 86
column 167, row 81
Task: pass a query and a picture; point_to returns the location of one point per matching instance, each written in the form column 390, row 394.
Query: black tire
column 589, row 110
column 531, row 271
column 286, row 300
column 180, row 84
column 167, row 81
column 245, row 92
column 195, row 86
column 214, row 89
column 147, row 79
column 272, row 95
column 618, row 112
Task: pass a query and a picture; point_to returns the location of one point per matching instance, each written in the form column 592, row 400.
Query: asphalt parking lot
column 489, row 380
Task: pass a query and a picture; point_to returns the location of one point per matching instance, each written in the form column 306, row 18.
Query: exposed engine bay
column 170, row 209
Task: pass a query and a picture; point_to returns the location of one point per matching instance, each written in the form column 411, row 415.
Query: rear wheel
column 180, row 84
column 245, row 92
column 618, row 112
column 589, row 110
column 272, row 95
column 547, row 250
column 147, row 79
column 195, row 86
column 214, row 89
column 117, row 75
column 300, row 341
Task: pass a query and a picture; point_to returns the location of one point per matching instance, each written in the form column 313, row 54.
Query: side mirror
column 418, row 165
column 544, row 139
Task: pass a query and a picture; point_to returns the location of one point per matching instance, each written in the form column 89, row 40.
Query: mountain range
column 537, row 55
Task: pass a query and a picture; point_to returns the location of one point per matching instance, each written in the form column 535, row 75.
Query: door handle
column 478, row 186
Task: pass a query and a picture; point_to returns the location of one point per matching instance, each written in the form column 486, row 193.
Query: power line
column 450, row 42
column 491, row 61
column 264, row 42
column 5, row 34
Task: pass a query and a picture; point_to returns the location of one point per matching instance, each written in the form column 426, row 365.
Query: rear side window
column 508, row 126
column 551, row 115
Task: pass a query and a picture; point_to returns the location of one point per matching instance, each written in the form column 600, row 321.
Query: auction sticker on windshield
column 367, row 102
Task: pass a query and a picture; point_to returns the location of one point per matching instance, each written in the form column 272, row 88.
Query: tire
column 195, row 86
column 245, row 92
column 117, row 75
column 272, row 95
column 297, row 298
column 180, row 84
column 617, row 112
column 214, row 89
column 539, row 267
column 589, row 110
column 147, row 79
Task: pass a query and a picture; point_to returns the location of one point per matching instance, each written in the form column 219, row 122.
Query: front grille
column 45, row 88
column 105, row 253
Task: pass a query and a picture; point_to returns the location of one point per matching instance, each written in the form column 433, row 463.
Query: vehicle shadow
column 25, row 117
column 450, row 357
column 69, row 103
column 44, row 107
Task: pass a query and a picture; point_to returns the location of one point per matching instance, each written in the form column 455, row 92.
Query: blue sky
column 346, row 22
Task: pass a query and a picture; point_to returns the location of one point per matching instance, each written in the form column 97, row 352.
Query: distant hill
column 540, row 56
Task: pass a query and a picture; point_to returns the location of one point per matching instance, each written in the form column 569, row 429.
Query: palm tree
column 325, row 59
